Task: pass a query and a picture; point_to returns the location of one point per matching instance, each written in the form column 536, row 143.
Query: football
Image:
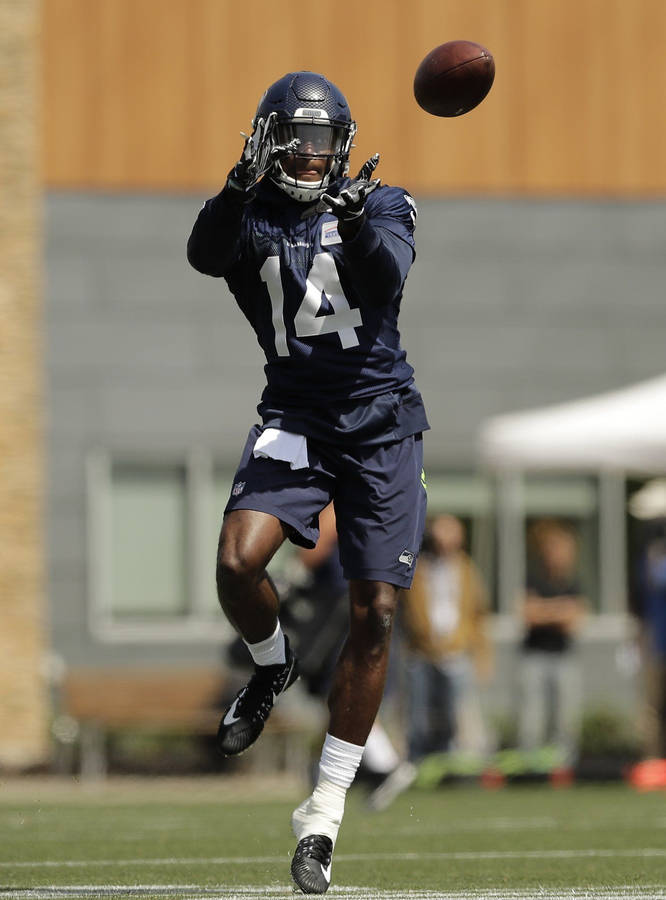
column 454, row 78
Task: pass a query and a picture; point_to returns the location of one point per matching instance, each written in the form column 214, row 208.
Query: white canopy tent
column 619, row 430
column 612, row 434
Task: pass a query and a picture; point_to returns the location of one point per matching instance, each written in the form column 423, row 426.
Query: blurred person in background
column 317, row 607
column 653, row 578
column 552, row 611
column 449, row 655
column 317, row 263
column 650, row 608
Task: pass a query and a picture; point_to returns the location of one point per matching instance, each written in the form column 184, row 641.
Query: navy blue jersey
column 325, row 311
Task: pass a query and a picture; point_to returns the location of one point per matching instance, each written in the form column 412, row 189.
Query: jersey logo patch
column 406, row 557
column 329, row 234
column 238, row 488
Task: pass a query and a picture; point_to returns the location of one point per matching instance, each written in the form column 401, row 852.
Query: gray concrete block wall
column 514, row 304
column 510, row 304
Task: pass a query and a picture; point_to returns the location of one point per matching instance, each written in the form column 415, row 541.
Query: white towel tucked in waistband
column 276, row 444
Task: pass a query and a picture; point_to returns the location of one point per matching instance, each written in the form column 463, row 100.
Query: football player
column 317, row 262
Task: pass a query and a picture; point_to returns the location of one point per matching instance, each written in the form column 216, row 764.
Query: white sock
column 271, row 651
column 339, row 761
column 322, row 812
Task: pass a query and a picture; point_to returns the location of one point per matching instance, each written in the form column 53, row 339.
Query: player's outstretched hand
column 259, row 153
column 350, row 203
column 368, row 167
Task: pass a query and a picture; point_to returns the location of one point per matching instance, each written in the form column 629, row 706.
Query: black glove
column 350, row 203
column 259, row 154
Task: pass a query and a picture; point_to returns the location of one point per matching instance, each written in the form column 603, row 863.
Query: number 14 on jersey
column 322, row 280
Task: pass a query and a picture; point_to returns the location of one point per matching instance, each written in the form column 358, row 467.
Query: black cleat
column 244, row 720
column 311, row 865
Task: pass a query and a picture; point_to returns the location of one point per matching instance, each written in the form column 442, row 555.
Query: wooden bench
column 94, row 702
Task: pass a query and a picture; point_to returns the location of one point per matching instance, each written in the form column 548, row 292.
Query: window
column 148, row 536
column 152, row 532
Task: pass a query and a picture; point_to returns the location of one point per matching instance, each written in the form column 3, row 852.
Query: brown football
column 454, row 78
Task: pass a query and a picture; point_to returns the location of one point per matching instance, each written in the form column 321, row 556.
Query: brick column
column 23, row 697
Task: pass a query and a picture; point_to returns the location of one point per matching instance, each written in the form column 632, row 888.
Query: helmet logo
column 307, row 112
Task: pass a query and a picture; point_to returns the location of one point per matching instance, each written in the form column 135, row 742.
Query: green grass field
column 230, row 838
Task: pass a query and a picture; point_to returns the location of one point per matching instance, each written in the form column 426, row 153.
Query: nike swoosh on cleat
column 231, row 716
column 286, row 682
column 291, row 669
column 326, row 872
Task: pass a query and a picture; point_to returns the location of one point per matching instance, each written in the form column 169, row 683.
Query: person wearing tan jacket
column 460, row 629
column 444, row 626
column 444, row 620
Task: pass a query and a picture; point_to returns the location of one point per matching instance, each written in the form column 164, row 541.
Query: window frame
column 609, row 620
column 496, row 501
column 195, row 625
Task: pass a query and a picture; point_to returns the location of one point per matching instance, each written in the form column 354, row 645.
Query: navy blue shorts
column 378, row 493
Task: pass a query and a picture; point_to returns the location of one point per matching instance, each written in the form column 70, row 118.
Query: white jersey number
column 322, row 281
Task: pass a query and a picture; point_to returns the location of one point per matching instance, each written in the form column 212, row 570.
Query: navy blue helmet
column 313, row 110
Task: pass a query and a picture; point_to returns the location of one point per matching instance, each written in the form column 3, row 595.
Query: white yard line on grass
column 471, row 855
column 222, row 892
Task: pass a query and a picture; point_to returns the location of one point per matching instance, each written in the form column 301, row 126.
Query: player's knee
column 380, row 626
column 236, row 565
column 381, row 616
column 372, row 617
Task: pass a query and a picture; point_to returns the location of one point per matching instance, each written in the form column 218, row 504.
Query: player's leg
column 248, row 540
column 269, row 502
column 380, row 507
column 247, row 595
column 360, row 674
column 356, row 693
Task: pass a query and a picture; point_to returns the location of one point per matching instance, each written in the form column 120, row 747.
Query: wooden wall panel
column 152, row 94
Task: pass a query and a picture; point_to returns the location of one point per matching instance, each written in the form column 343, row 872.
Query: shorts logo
column 238, row 488
column 406, row 557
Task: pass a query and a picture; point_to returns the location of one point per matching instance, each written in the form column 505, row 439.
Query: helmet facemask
column 324, row 142
column 311, row 109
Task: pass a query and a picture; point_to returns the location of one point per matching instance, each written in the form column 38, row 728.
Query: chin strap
column 301, row 194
